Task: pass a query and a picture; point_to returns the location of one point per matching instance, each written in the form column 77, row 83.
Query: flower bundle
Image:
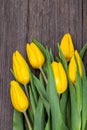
column 56, row 99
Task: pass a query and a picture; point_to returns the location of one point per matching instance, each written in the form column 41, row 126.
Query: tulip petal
column 20, row 68
column 35, row 56
column 18, row 97
column 67, row 47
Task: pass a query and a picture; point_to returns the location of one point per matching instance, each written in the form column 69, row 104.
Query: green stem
column 27, row 120
column 44, row 76
column 26, row 90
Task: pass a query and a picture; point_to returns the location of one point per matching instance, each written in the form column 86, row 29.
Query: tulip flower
column 18, row 97
column 60, row 77
column 19, row 100
column 67, row 47
column 72, row 67
column 20, row 68
column 35, row 56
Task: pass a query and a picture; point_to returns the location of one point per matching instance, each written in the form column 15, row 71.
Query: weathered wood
column 85, row 28
column 47, row 21
column 13, row 29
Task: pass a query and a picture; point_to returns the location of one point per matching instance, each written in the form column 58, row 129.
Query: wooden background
column 47, row 21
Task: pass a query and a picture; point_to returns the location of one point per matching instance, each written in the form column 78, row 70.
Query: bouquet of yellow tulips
column 56, row 98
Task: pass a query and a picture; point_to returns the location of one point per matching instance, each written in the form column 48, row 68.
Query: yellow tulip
column 35, row 56
column 67, row 47
column 20, row 68
column 18, row 97
column 72, row 67
column 60, row 77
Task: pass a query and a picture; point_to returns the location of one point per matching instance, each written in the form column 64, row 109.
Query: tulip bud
column 72, row 67
column 67, row 47
column 18, row 97
column 35, row 56
column 20, row 68
column 60, row 77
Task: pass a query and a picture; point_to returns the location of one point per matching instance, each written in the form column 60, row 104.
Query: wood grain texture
column 47, row 21
column 85, row 28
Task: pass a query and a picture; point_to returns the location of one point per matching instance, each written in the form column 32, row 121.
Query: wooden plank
column 13, row 31
column 53, row 19
column 85, row 28
column 47, row 21
column 70, row 20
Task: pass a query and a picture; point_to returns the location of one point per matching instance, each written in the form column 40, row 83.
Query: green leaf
column 75, row 116
column 42, row 80
column 39, row 121
column 40, row 46
column 68, row 113
column 39, row 86
column 78, row 87
column 48, row 56
column 34, row 92
column 48, row 60
column 63, row 60
column 82, row 52
column 58, row 59
column 57, row 120
column 86, row 126
column 32, row 101
column 51, row 55
column 63, row 104
column 41, row 90
column 18, row 121
column 30, row 114
column 84, row 106
column 48, row 124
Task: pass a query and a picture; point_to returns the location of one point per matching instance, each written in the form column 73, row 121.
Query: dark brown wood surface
column 47, row 21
